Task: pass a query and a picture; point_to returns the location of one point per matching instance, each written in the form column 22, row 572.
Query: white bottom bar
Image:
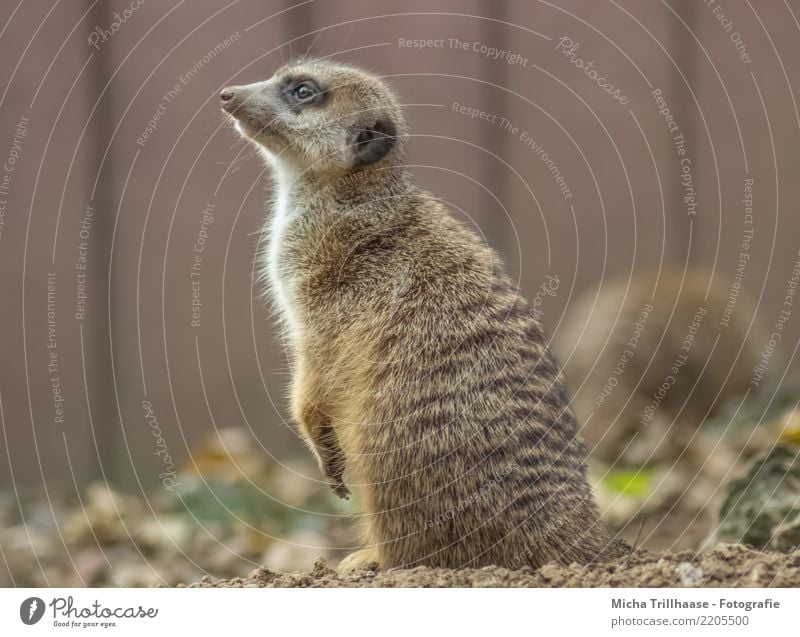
column 387, row 612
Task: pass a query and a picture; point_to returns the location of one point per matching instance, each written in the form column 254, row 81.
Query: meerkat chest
column 306, row 262
column 278, row 259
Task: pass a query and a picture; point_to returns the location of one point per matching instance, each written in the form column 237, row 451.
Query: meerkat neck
column 372, row 187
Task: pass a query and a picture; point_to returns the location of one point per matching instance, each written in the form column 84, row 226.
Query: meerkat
column 419, row 372
column 652, row 356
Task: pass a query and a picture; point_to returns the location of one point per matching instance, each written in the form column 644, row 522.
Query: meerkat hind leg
column 358, row 561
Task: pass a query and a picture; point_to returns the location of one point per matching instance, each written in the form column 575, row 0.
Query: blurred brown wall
column 87, row 107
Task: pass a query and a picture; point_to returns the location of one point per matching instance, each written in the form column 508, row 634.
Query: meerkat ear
column 373, row 143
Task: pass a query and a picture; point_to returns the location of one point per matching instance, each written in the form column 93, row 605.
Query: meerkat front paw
column 332, row 465
column 359, row 561
column 333, row 468
column 340, row 488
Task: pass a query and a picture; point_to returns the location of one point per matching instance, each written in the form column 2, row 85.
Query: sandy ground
column 732, row 565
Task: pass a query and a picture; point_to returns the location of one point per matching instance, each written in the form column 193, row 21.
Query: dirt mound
column 726, row 565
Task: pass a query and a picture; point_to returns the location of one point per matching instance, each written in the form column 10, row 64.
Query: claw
column 340, row 489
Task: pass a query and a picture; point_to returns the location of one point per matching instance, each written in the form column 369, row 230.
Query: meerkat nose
column 227, row 96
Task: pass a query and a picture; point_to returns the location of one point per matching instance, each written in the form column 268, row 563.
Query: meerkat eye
column 298, row 94
column 304, row 91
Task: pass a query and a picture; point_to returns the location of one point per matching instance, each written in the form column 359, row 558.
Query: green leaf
column 629, row 482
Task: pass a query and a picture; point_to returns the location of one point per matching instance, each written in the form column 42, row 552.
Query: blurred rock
column 229, row 454
column 763, row 507
column 648, row 361
column 104, row 517
column 690, row 574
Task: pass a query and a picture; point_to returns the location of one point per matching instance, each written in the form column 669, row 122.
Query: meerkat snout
column 422, row 380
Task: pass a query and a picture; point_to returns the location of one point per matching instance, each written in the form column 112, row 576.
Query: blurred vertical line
column 684, row 52
column 100, row 388
column 301, row 19
column 495, row 100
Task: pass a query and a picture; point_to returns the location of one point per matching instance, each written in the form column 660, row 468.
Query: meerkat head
column 318, row 117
